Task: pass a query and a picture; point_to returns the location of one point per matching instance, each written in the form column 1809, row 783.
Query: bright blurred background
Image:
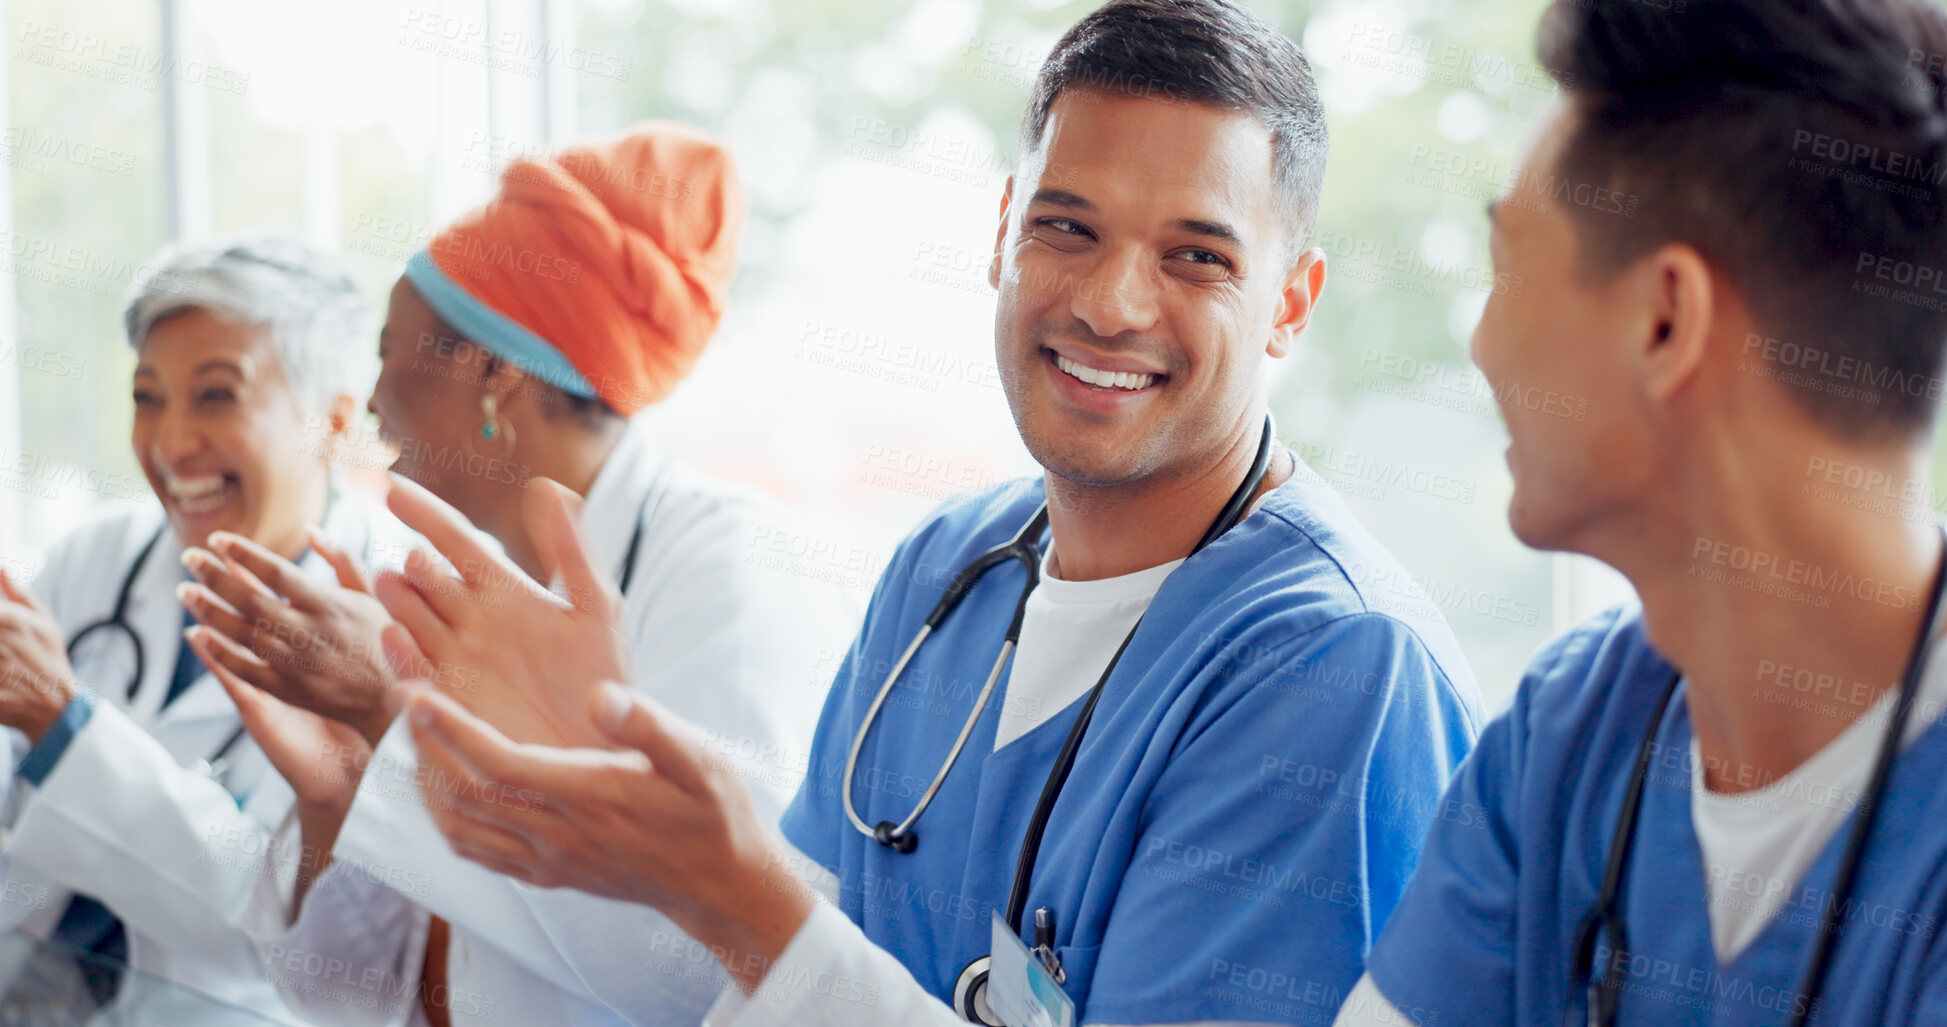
column 855, row 374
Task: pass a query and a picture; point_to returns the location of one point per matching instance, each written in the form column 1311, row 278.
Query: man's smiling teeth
column 1104, row 379
column 200, row 494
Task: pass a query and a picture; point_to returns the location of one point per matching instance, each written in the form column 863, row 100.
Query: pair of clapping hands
column 506, row 685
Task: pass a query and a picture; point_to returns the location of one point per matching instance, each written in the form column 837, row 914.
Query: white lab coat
column 126, row 815
column 731, row 632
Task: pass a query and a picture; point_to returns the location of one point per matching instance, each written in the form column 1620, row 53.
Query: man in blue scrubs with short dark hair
column 1736, row 238
column 1243, row 800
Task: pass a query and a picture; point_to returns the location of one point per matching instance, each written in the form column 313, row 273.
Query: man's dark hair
column 1800, row 146
column 1211, row 52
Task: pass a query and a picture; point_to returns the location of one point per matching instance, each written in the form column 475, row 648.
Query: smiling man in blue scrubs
column 1759, row 345
column 1248, row 797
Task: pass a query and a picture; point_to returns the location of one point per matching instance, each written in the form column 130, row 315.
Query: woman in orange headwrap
column 517, row 346
column 521, row 338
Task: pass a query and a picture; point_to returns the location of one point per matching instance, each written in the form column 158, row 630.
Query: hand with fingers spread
column 323, row 759
column 36, row 680
column 307, row 643
column 654, row 821
column 320, row 757
column 516, row 655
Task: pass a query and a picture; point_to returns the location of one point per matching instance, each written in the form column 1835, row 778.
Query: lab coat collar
column 625, row 493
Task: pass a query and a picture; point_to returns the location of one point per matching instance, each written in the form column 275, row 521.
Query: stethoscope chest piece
column 970, row 994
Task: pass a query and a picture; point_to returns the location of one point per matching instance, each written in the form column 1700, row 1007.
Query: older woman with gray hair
column 139, row 813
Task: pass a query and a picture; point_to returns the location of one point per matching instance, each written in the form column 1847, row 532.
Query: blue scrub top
column 1244, row 811
column 1486, row 932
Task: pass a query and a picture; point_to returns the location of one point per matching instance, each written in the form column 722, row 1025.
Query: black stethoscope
column 117, row 621
column 627, row 576
column 969, row 992
column 1606, row 914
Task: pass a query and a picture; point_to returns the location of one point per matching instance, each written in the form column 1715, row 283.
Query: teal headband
column 491, row 330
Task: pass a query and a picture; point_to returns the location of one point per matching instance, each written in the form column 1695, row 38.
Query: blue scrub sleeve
column 1448, row 955
column 1278, row 838
column 815, row 820
column 40, row 760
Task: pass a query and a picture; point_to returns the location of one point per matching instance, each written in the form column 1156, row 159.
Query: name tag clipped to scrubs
column 1021, row 985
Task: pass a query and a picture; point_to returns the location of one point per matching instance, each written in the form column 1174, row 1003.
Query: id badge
column 1019, row 989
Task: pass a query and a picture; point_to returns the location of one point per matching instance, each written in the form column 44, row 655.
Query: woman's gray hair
column 317, row 321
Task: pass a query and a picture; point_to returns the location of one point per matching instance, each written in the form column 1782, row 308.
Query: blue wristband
column 41, row 758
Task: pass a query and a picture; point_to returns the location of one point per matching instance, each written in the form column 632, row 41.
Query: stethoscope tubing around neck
column 1606, row 913
column 1044, row 806
column 1020, row 549
column 1023, row 549
column 117, row 619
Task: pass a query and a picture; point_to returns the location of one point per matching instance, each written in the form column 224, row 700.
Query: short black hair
column 1212, row 52
column 1800, row 146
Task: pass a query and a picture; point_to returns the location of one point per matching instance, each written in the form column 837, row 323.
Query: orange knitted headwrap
column 616, row 254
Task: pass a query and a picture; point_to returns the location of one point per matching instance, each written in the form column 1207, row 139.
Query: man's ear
column 1683, row 302
column 1303, row 284
column 1000, row 234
